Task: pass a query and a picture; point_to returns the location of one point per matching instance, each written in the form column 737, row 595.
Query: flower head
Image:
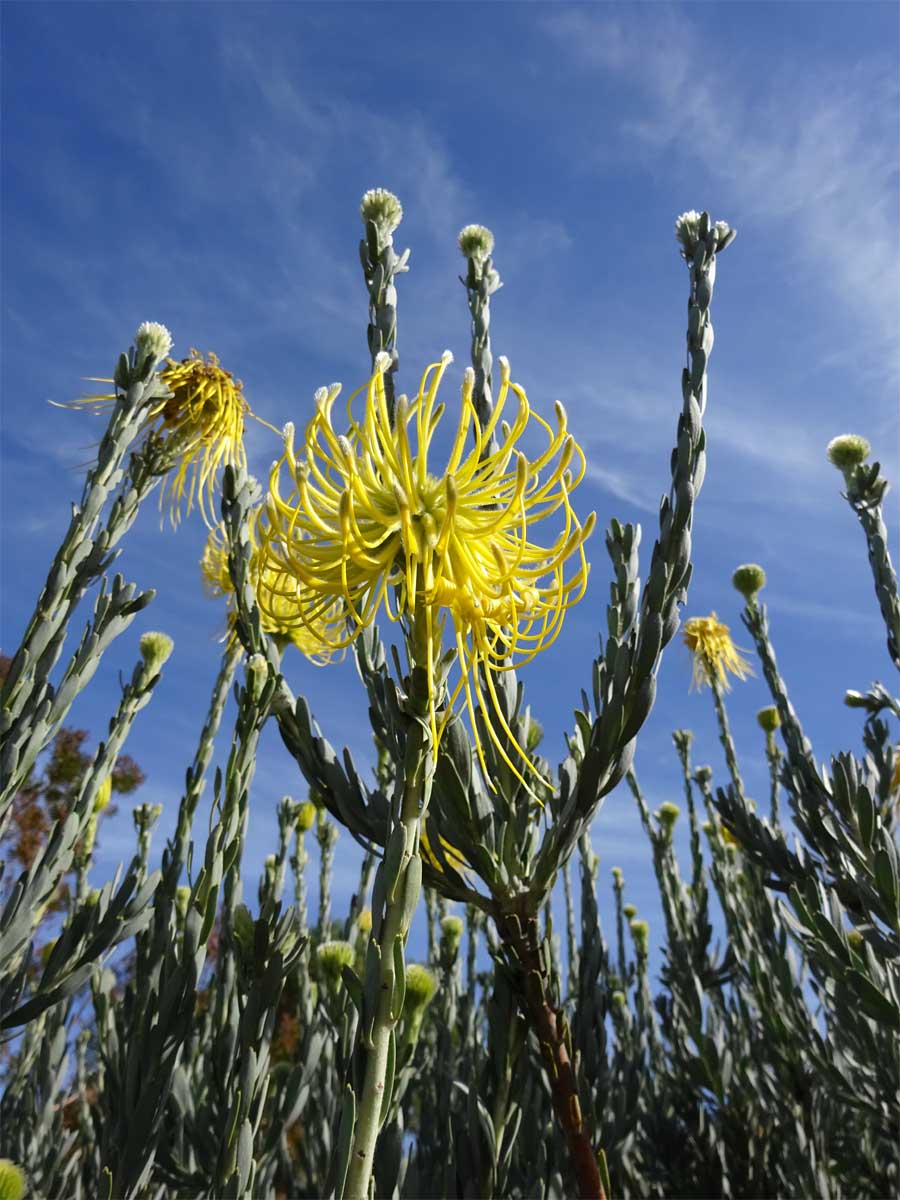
column 332, row 957
column 768, row 719
column 152, row 340
column 156, row 649
column 476, row 241
column 848, row 451
column 420, row 986
column 198, row 417
column 748, row 579
column 203, row 421
column 715, row 654
column 364, row 519
column 273, row 594
column 382, row 208
column 12, row 1180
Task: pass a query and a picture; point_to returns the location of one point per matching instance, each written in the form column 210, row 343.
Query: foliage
column 186, row 1034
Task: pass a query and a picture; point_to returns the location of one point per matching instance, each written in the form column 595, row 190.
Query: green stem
column 398, row 884
column 727, row 740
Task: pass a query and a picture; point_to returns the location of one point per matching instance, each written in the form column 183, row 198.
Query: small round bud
column 420, row 986
column 12, row 1181
column 728, row 838
column 749, row 579
column 156, row 649
column 617, row 876
column 768, row 719
column 152, row 340
column 630, row 911
column 667, row 814
column 306, row 816
column 332, row 957
column 703, row 775
column 682, row 738
column 364, row 921
column 476, row 242
column 855, row 940
column 104, row 795
column 182, row 900
column 640, row 931
column 92, row 899
column 848, row 451
column 707, row 827
column 382, row 208
column 451, row 935
column 619, row 999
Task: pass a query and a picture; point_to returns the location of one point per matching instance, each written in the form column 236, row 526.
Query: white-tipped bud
column 155, row 650
column 447, row 358
column 562, row 417
column 383, row 208
column 320, row 398
column 288, row 432
column 345, row 448
column 152, row 340
column 257, row 674
column 382, row 362
column 504, row 368
column 468, row 380
column 476, row 242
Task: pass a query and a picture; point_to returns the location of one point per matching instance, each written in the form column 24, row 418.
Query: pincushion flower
column 201, row 424
column 363, row 519
column 310, row 636
column 714, row 653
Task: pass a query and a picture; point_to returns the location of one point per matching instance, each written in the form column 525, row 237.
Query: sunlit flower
column 310, row 636
column 364, row 519
column 200, row 420
column 715, row 654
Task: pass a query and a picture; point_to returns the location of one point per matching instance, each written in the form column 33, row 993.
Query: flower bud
column 257, row 674
column 306, row 816
column 630, row 911
column 364, row 921
column 476, row 242
column 332, row 957
column 617, row 876
column 182, row 900
column 382, row 208
column 855, row 940
column 420, row 987
column 703, row 775
column 667, row 814
column 104, row 795
column 12, row 1181
column 640, row 931
column 768, row 719
column 451, row 936
column 152, row 341
column 619, row 999
column 749, row 579
column 155, row 650
column 848, row 451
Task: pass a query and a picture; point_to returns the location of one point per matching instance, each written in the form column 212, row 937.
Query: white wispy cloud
column 814, row 168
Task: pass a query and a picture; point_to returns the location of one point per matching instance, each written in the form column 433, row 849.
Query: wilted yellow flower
column 103, row 795
column 451, row 854
column 201, row 423
column 364, row 517
column 715, row 654
column 307, row 636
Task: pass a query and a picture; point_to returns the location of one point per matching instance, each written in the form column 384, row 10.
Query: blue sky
column 202, row 164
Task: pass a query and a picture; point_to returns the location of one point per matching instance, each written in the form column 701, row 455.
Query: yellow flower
column 895, row 774
column 714, row 652
column 307, row 637
column 364, row 518
column 201, row 423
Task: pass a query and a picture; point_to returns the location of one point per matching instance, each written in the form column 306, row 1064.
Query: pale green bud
column 749, row 579
column 182, row 900
column 155, row 650
column 332, row 957
column 476, row 241
column 617, row 876
column 667, row 814
column 768, row 719
column 619, row 999
column 420, row 986
column 12, row 1181
column 364, row 921
column 257, row 675
column 640, row 931
column 848, row 451
column 382, row 208
column 451, row 936
column 630, row 911
column 703, row 774
column 92, row 899
column 152, row 340
column 855, row 940
column 534, row 735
